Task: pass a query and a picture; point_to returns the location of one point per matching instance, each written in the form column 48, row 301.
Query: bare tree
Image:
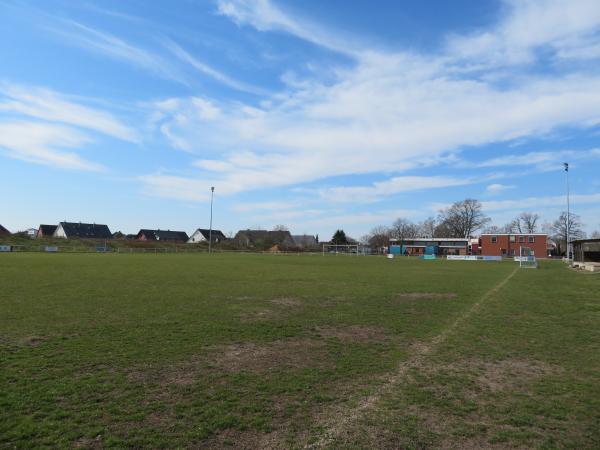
column 595, row 234
column 427, row 228
column 464, row 218
column 280, row 228
column 526, row 222
column 378, row 237
column 403, row 229
column 559, row 227
column 493, row 229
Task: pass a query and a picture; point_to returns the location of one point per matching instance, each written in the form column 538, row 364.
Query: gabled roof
column 3, row 230
column 47, row 230
column 85, row 230
column 217, row 235
column 164, row 235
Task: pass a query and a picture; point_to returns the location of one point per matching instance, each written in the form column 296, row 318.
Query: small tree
column 339, row 238
column 280, row 228
column 559, row 227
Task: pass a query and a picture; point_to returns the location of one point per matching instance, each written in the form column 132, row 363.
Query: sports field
column 273, row 351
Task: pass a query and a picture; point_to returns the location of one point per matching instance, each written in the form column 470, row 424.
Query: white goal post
column 527, row 258
column 346, row 249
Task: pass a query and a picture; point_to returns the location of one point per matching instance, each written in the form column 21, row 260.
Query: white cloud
column 42, row 143
column 265, row 16
column 538, row 202
column 204, row 68
column 109, row 45
column 496, row 188
column 394, row 185
column 51, row 106
column 393, row 111
column 177, row 187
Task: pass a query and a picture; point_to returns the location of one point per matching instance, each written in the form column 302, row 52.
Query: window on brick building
column 494, row 239
column 531, row 239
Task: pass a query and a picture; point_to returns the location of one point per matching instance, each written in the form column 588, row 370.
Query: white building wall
column 60, row 232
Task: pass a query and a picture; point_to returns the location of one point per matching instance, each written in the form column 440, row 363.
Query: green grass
column 196, row 350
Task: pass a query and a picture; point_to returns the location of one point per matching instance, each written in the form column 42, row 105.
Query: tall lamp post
column 568, row 215
column 212, row 191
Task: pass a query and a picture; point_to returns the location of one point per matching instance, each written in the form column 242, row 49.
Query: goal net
column 527, row 258
column 347, row 249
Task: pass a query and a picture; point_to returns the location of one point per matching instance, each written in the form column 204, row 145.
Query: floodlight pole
column 212, row 191
column 568, row 215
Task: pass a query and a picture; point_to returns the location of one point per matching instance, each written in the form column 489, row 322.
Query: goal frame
column 527, row 258
column 341, row 246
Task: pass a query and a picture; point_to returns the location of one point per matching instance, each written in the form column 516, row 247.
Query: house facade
column 509, row 244
column 203, row 235
column 79, row 230
column 4, row 231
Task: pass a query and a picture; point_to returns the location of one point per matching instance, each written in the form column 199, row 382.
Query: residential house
column 46, row 231
column 305, row 240
column 4, row 231
column 263, row 238
column 79, row 230
column 162, row 235
column 203, row 235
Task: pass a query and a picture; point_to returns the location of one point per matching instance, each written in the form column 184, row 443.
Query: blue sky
column 316, row 115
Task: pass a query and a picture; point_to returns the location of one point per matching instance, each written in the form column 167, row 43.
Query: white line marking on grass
column 342, row 422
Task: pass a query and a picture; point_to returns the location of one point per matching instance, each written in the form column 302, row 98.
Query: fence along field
column 229, row 350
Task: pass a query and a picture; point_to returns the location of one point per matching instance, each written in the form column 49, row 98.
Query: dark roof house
column 46, row 230
column 69, row 230
column 263, row 238
column 203, row 235
column 162, row 235
column 305, row 240
column 4, row 231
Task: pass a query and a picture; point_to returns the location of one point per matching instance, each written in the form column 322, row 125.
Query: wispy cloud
column 49, row 105
column 205, row 69
column 265, row 16
column 44, row 144
column 112, row 46
column 392, row 186
column 538, row 202
column 496, row 188
column 391, row 110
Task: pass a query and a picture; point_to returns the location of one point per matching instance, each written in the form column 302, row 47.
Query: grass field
column 265, row 351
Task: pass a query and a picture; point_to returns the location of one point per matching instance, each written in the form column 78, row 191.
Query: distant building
column 203, row 235
column 119, row 235
column 509, row 244
column 263, row 238
column 79, row 230
column 430, row 246
column 162, row 235
column 305, row 240
column 46, row 231
column 4, row 231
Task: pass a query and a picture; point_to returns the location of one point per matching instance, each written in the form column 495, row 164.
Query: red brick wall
column 504, row 247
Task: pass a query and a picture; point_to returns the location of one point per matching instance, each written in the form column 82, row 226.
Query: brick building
column 510, row 244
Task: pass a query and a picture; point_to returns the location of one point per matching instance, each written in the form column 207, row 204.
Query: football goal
column 345, row 249
column 527, row 258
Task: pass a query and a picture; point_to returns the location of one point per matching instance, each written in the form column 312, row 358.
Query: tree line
column 465, row 218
